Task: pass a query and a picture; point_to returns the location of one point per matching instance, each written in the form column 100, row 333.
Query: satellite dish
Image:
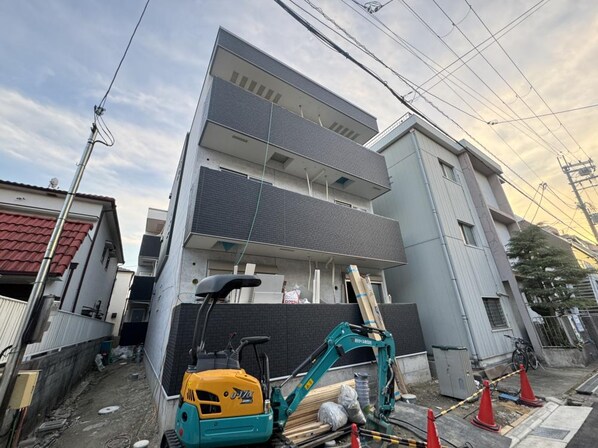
column 53, row 183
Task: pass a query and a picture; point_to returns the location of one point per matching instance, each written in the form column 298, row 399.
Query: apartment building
column 455, row 222
column 273, row 179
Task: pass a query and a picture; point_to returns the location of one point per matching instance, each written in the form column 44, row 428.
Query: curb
column 531, row 422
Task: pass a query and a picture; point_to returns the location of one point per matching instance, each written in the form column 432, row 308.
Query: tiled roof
column 23, row 241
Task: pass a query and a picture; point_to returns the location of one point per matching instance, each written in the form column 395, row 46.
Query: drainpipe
column 445, row 250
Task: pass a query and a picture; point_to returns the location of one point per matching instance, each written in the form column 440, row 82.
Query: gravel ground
column 134, row 420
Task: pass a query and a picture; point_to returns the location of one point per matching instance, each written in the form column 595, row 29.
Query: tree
column 547, row 273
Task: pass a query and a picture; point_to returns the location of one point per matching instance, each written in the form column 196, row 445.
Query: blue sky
column 58, row 58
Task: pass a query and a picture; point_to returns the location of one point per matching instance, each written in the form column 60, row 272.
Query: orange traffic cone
column 432, row 440
column 485, row 418
column 526, row 396
column 355, row 443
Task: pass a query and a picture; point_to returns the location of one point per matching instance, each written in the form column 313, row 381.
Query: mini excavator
column 220, row 405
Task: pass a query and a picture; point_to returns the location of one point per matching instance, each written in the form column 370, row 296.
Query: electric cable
column 362, row 47
column 413, row 50
column 532, row 87
column 589, row 106
column 259, row 195
column 330, row 43
column 474, row 73
column 504, row 30
column 492, row 66
column 530, row 204
column 105, row 97
column 540, row 201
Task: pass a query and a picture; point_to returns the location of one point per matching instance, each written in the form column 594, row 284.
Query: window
column 467, row 233
column 495, row 313
column 376, row 286
column 448, row 171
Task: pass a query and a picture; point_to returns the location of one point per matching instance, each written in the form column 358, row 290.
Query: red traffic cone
column 432, row 440
column 355, row 443
column 485, row 418
column 526, row 396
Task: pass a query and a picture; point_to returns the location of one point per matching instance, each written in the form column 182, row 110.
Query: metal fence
column 66, row 329
column 562, row 331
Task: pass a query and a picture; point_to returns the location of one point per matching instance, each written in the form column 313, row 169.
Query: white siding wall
column 425, row 279
column 486, row 189
column 119, row 299
column 474, row 267
column 503, row 233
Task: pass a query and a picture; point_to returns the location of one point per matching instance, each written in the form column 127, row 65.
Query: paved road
column 587, row 436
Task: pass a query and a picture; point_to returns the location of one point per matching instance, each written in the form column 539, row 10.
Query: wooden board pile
column 303, row 425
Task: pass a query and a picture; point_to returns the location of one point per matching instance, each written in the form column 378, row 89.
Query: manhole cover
column 551, row 433
column 108, row 410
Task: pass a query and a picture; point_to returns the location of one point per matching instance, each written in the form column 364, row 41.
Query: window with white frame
column 495, row 313
column 448, row 171
column 468, row 234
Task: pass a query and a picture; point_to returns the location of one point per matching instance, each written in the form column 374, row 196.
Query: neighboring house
column 273, row 173
column 81, row 279
column 455, row 222
column 118, row 300
column 136, row 318
column 83, row 270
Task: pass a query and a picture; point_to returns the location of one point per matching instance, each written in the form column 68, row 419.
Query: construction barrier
column 485, row 417
column 526, row 395
column 474, row 395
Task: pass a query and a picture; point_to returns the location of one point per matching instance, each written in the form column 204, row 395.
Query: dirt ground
column 120, row 384
column 428, row 395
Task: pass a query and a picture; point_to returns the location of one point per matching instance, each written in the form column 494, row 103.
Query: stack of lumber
column 303, row 424
column 371, row 315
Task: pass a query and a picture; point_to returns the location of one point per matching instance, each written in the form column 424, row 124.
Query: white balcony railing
column 65, row 329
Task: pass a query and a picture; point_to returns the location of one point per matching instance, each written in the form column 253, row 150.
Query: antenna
column 53, row 183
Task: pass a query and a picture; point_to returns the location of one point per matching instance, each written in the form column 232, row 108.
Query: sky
column 58, row 58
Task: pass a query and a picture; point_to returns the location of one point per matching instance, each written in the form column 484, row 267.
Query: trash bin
column 455, row 375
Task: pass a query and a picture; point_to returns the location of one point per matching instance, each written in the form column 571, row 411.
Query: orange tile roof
column 23, row 241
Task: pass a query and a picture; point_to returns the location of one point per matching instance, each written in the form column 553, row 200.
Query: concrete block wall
column 60, row 372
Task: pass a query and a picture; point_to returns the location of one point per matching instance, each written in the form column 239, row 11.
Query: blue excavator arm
column 342, row 339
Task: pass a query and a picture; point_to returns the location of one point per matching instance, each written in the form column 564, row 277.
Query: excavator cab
column 220, row 404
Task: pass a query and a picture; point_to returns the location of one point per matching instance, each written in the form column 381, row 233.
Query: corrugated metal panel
column 12, row 313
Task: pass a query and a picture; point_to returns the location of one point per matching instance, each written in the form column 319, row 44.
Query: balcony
column 239, row 62
column 141, row 288
column 237, row 123
column 288, row 224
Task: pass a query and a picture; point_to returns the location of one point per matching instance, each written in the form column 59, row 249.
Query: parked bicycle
column 523, row 354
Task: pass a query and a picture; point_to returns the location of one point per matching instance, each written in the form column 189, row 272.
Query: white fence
column 65, row 329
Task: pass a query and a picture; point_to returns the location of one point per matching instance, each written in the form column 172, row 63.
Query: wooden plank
column 361, row 296
column 399, row 379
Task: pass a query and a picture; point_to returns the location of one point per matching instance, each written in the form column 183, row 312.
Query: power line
column 589, row 106
column 412, row 49
column 103, row 100
column 473, row 72
column 528, row 81
column 331, row 44
column 492, row 66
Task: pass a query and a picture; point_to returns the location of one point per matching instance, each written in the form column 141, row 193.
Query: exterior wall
column 118, row 299
column 468, row 272
column 98, row 281
column 504, row 235
column 60, row 372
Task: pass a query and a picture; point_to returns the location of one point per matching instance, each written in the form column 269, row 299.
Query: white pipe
column 326, row 178
column 308, row 184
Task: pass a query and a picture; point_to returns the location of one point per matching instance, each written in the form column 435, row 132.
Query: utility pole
column 15, row 357
column 578, row 173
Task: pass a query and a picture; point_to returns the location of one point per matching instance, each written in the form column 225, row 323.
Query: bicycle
column 523, row 354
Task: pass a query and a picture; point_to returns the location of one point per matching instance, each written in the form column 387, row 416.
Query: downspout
column 445, row 250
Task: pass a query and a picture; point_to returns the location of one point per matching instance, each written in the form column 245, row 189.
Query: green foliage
column 548, row 274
